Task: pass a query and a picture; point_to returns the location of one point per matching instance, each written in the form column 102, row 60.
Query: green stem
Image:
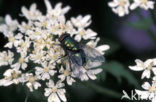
column 102, row 90
column 149, row 31
column 27, row 96
column 153, row 16
column 152, row 35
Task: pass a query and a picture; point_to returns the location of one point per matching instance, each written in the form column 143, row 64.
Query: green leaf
column 118, row 71
column 140, row 24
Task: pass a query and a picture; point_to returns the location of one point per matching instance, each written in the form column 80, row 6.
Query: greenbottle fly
column 78, row 54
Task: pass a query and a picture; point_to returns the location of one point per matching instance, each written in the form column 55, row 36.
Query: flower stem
column 153, row 16
column 152, row 36
column 26, row 99
column 149, row 31
column 102, row 90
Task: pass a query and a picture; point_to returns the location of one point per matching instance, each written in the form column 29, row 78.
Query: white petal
column 103, row 48
column 139, row 62
column 48, row 5
column 112, row 4
column 95, row 71
column 78, row 38
column 52, row 72
column 84, row 77
column 136, row 68
column 53, row 98
column 62, row 77
column 4, row 82
column 8, row 72
column 9, row 45
column 150, row 4
column 47, row 91
column 59, row 84
column 91, row 76
column 8, row 19
column 66, row 9
column 24, row 65
column 70, row 80
column 154, row 99
column 148, row 62
column 50, row 83
column 154, row 70
column 24, row 11
column 45, row 76
column 146, row 73
column 16, row 65
column 61, row 93
column 29, row 85
column 146, row 86
column 134, row 6
column 151, row 96
column 33, row 7
column 36, row 85
column 38, row 70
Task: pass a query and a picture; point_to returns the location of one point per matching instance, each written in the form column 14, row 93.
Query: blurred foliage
column 114, row 68
column 143, row 24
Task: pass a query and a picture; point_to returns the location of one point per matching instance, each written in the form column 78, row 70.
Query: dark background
column 108, row 26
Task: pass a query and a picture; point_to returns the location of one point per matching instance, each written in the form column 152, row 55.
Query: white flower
column 37, row 56
column 149, row 93
column 57, row 11
column 32, row 82
column 89, row 71
column 85, row 34
column 13, row 39
column 25, row 27
column 81, row 22
column 23, row 45
column 22, row 62
column 10, row 26
column 66, row 74
column 6, row 58
column 55, row 92
column 54, row 54
column 146, row 66
column 36, row 33
column 11, row 76
column 69, row 28
column 144, row 4
column 120, row 7
column 46, row 71
column 32, row 14
column 101, row 48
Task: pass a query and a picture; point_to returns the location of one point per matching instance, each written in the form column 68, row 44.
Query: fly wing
column 76, row 63
column 92, row 54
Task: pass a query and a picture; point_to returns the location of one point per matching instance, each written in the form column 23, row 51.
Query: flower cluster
column 34, row 52
column 121, row 7
column 149, row 72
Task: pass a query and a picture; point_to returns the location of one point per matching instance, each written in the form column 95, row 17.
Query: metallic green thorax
column 69, row 43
